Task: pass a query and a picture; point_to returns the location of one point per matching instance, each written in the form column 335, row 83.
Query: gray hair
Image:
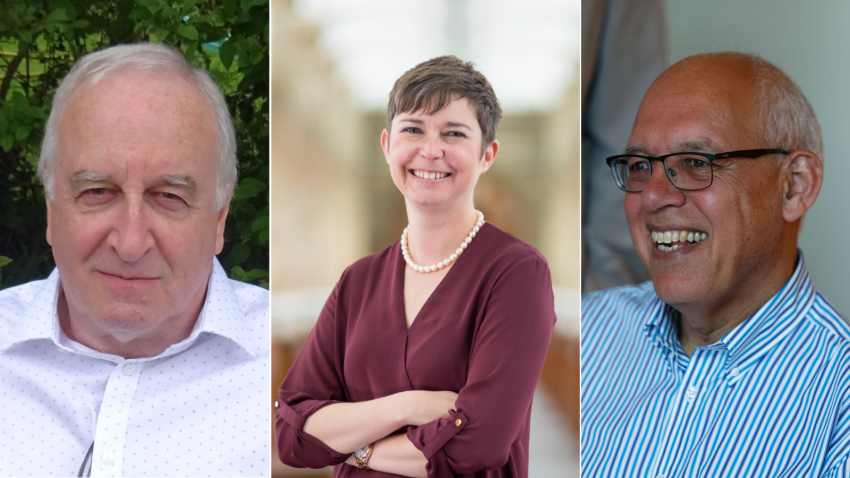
column 93, row 67
column 786, row 119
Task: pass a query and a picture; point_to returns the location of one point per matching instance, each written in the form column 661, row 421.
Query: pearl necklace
column 452, row 258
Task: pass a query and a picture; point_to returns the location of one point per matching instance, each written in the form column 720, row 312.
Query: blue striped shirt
column 771, row 398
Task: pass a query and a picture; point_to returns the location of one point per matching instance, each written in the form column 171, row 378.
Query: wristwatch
column 362, row 455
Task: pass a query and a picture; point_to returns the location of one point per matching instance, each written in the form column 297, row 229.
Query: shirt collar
column 756, row 335
column 223, row 320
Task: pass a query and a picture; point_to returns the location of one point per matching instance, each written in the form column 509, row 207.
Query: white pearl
column 458, row 251
column 467, row 240
column 471, row 235
column 440, row 265
column 463, row 245
column 447, row 261
column 452, row 258
column 476, row 228
column 433, row 268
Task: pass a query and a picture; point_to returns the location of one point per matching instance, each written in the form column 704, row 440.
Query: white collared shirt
column 197, row 409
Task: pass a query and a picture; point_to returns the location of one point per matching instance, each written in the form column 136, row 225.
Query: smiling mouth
column 422, row 174
column 669, row 241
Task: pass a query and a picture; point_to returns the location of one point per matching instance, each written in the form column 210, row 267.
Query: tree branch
column 10, row 73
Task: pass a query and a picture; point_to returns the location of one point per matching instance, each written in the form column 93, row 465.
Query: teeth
column 669, row 237
column 426, row 175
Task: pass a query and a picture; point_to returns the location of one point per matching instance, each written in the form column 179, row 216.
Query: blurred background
column 333, row 65
column 627, row 43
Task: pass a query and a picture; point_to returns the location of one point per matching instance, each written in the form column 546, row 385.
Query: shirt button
column 457, row 422
column 276, row 404
column 128, row 369
column 107, row 459
column 692, row 392
column 734, row 372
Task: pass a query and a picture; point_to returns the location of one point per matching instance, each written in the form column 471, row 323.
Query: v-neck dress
column 484, row 333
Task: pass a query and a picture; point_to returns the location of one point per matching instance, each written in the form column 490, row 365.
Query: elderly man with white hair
column 137, row 356
column 728, row 363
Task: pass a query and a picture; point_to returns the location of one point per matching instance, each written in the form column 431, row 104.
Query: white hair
column 93, row 67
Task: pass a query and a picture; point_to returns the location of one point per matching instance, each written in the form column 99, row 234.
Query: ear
column 385, row 144
column 49, row 234
column 489, row 156
column 219, row 226
column 802, row 179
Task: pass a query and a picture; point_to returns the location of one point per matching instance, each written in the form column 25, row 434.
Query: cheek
column 75, row 237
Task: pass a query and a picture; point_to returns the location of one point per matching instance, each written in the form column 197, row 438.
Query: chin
column 676, row 290
column 126, row 319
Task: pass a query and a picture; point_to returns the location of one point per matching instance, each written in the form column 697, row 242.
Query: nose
column 131, row 236
column 432, row 148
column 660, row 191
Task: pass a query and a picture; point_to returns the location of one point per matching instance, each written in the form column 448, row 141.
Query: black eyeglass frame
column 745, row 153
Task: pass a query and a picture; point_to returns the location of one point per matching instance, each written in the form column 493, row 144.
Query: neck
column 127, row 343
column 434, row 236
column 703, row 324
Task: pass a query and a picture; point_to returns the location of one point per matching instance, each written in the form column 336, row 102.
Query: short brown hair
column 431, row 85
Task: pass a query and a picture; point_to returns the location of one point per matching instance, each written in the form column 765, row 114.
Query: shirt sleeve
column 313, row 382
column 506, row 359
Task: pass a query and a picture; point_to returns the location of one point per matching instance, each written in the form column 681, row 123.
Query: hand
column 427, row 406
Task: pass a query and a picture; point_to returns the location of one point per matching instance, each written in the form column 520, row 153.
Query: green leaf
column 26, row 36
column 5, row 261
column 57, row 16
column 263, row 237
column 257, row 274
column 6, row 142
column 226, row 53
column 158, row 35
column 22, row 132
column 260, row 223
column 248, row 188
column 79, row 24
column 237, row 273
column 239, row 254
column 187, row 31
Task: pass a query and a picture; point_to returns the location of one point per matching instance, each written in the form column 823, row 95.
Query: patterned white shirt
column 200, row 408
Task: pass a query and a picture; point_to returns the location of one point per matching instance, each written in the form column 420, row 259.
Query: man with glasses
column 728, row 363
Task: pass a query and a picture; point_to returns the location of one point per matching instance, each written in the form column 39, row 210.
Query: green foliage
column 39, row 43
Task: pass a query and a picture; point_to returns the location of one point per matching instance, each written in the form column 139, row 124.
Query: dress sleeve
column 506, row 359
column 313, row 382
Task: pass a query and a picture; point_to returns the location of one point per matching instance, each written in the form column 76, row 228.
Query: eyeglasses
column 687, row 171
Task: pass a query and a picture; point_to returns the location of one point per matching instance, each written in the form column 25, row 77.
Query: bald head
column 747, row 93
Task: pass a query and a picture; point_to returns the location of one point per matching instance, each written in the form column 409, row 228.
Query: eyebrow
column 451, row 124
column 703, row 145
column 185, row 183
column 83, row 177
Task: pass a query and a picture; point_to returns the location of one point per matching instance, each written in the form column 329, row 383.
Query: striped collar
column 756, row 335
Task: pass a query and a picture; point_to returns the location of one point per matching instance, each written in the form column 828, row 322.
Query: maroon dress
column 484, row 333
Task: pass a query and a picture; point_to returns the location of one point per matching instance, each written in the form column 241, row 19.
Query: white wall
column 811, row 42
